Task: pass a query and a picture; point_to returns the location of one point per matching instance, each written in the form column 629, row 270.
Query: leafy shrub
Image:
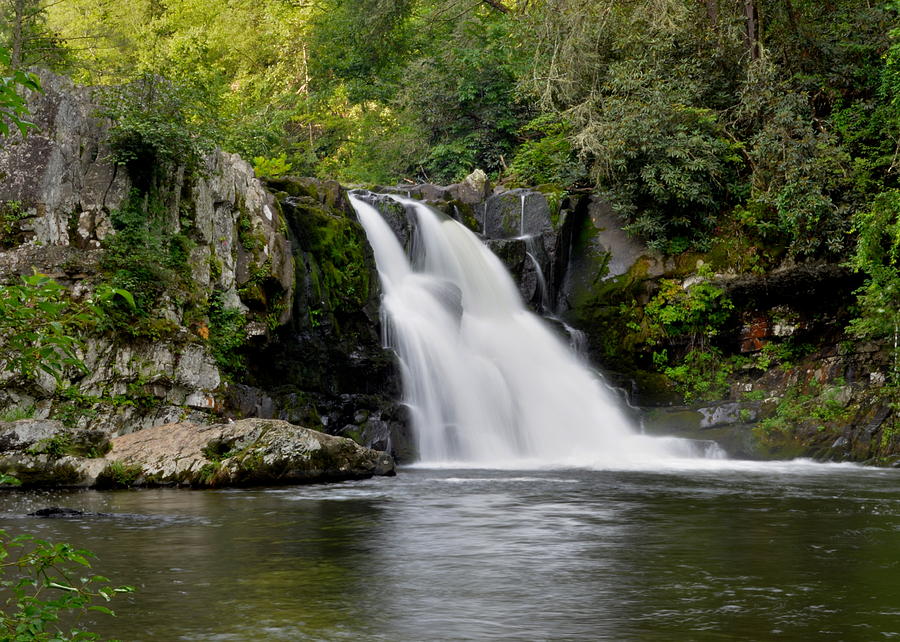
column 13, row 109
column 271, row 167
column 878, row 257
column 702, row 375
column 697, row 312
column 37, row 324
column 547, row 154
column 43, row 582
column 119, row 475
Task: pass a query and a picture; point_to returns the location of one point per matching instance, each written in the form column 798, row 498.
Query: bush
column 546, row 156
column 701, row 376
column 697, row 312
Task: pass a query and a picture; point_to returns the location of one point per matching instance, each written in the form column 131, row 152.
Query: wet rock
column 57, row 512
column 516, row 213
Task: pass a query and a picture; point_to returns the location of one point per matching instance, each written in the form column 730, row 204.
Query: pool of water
column 730, row 551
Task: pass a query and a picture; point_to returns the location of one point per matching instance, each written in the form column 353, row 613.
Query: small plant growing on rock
column 119, row 475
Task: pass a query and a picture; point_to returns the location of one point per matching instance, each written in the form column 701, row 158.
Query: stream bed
column 725, row 551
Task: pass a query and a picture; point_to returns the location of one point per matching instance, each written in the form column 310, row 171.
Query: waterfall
column 487, row 383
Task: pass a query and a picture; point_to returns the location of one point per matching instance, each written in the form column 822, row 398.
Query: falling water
column 486, row 381
column 531, row 252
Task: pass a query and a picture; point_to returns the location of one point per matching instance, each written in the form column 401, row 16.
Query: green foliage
column 227, row 336
column 47, row 592
column 798, row 174
column 464, row 98
column 11, row 213
column 878, row 257
column 377, row 145
column 697, row 312
column 38, row 324
column 810, row 406
column 141, row 263
column 361, row 44
column 272, row 167
column 700, row 376
column 118, row 474
column 158, row 122
column 54, row 447
column 546, row 156
column 13, row 110
column 641, row 87
column 15, row 414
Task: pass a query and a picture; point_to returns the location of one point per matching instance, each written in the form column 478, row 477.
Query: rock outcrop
column 242, row 453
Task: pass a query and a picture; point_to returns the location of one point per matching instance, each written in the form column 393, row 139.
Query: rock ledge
column 248, row 452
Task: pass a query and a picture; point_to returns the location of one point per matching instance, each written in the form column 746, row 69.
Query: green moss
column 336, row 243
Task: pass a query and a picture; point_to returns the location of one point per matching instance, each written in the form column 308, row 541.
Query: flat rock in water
column 246, row 452
column 243, row 453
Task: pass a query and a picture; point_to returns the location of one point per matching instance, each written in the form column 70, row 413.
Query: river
column 786, row 551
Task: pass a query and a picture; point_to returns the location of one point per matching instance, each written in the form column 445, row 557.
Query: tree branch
column 496, row 4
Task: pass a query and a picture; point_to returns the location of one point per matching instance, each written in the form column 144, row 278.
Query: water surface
column 749, row 552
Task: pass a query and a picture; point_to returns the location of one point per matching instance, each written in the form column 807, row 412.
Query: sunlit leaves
column 13, row 110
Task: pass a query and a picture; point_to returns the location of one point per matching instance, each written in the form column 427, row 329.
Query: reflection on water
column 801, row 553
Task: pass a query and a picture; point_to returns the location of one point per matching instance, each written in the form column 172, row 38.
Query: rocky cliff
column 260, row 299
column 252, row 301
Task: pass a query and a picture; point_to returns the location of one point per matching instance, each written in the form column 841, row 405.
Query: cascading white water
column 486, row 381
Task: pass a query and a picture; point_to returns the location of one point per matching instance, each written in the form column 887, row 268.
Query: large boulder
column 241, row 453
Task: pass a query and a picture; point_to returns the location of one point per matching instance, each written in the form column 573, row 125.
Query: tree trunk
column 17, row 46
column 712, row 12
column 751, row 21
column 496, row 4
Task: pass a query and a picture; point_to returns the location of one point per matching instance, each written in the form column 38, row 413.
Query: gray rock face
column 623, row 250
column 60, row 174
column 246, row 452
column 25, row 433
column 474, row 189
column 46, row 453
column 58, row 187
column 516, row 213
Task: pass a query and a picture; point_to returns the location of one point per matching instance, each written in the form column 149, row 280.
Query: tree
column 23, row 30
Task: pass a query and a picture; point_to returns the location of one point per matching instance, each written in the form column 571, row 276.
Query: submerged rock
column 61, row 512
